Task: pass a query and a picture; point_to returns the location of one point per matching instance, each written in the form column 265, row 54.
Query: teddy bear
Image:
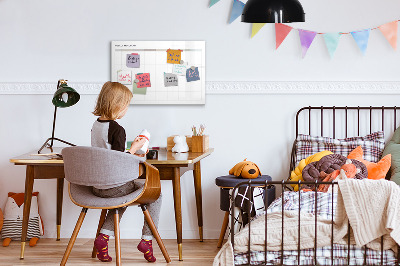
column 180, row 144
column 13, row 215
column 245, row 169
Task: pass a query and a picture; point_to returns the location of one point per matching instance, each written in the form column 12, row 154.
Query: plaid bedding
column 372, row 145
column 323, row 207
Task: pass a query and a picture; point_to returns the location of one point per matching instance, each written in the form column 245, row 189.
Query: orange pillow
column 375, row 170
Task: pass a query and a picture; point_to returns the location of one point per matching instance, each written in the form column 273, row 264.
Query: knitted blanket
column 373, row 209
column 371, row 206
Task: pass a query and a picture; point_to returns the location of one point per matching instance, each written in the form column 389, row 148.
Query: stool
column 226, row 183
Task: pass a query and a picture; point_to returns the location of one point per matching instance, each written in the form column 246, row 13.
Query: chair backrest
column 92, row 166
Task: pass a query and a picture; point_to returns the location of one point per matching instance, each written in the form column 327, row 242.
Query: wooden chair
column 85, row 167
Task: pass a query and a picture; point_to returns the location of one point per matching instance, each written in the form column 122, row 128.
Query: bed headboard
column 344, row 121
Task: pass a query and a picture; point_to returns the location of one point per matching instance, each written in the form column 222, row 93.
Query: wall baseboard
column 131, row 233
column 231, row 87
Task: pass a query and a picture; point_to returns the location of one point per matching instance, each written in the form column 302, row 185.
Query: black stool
column 226, row 183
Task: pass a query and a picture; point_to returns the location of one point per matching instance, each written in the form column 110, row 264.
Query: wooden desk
column 171, row 167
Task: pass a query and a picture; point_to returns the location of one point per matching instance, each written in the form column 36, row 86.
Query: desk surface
column 164, row 157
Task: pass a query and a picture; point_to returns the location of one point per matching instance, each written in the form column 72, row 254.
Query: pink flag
column 306, row 39
column 389, row 30
column 281, row 31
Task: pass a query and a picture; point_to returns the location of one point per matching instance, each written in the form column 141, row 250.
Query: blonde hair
column 112, row 99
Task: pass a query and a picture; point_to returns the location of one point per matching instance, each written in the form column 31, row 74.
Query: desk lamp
column 272, row 11
column 64, row 96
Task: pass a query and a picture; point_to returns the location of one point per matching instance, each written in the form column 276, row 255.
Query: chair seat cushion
column 83, row 195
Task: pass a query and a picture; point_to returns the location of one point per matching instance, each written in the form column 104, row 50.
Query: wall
column 47, row 40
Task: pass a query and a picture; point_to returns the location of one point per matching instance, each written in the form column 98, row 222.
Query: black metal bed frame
column 283, row 184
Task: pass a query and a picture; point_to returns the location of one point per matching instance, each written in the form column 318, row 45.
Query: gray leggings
column 154, row 208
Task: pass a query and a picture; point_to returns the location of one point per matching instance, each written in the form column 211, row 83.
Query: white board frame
column 152, row 61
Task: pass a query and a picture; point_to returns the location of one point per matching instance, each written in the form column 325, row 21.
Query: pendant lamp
column 272, row 11
column 64, row 96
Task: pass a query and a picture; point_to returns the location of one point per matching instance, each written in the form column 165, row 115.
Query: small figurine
column 180, row 144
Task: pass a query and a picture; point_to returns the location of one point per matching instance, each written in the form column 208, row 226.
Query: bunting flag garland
column 361, row 37
column 389, row 30
column 213, row 2
column 332, row 41
column 256, row 27
column 237, row 9
column 306, row 39
column 281, row 31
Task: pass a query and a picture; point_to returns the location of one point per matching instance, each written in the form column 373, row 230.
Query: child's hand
column 137, row 144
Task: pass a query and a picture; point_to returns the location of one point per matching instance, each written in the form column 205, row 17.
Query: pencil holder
column 200, row 143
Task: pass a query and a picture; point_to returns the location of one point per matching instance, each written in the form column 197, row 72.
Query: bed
column 275, row 237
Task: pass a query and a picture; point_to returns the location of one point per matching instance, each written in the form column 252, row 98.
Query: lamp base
column 50, row 146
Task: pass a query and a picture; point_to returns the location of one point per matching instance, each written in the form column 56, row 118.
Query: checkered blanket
column 324, row 206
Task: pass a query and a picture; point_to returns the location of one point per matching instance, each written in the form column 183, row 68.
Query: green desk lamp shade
column 64, row 96
column 273, row 11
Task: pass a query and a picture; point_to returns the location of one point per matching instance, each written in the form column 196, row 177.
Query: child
column 112, row 103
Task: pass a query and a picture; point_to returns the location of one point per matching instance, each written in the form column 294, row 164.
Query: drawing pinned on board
column 180, row 69
column 170, row 80
column 144, row 80
column 192, row 74
column 174, row 56
column 125, row 77
column 136, row 90
column 133, row 60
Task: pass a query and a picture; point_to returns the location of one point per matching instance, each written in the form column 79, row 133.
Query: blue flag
column 237, row 9
column 361, row 38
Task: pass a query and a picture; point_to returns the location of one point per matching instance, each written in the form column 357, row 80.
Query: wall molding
column 232, row 87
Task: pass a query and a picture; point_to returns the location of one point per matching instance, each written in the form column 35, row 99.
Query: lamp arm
column 54, row 126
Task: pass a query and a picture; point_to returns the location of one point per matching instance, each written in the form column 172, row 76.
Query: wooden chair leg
column 223, row 229
column 154, row 230
column 73, row 237
column 117, row 238
column 101, row 222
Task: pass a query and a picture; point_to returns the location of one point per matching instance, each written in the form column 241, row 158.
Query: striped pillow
column 372, row 145
column 13, row 228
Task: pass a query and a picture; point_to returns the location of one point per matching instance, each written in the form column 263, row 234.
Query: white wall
column 42, row 41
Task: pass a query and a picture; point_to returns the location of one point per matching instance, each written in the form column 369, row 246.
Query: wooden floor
column 50, row 252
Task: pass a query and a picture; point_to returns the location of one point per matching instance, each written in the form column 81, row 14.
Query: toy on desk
column 13, row 215
column 144, row 134
column 245, row 169
column 180, row 144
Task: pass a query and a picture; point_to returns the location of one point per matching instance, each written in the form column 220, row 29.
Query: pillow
column 393, row 148
column 296, row 174
column 375, row 170
column 372, row 144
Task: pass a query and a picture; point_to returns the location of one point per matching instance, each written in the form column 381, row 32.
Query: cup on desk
column 152, row 155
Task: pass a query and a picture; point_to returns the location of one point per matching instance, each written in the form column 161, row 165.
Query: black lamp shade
column 273, row 11
column 65, row 96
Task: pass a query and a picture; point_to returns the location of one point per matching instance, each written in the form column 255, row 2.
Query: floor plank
column 49, row 252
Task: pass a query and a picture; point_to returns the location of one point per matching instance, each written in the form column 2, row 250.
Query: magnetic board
column 160, row 72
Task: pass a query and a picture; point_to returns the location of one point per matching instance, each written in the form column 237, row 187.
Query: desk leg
column 60, row 190
column 27, row 206
column 197, row 189
column 176, row 182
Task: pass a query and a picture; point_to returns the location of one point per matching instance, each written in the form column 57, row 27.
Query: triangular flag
column 390, row 32
column 255, row 28
column 281, row 31
column 237, row 9
column 306, row 39
column 361, row 37
column 213, row 2
column 332, row 41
